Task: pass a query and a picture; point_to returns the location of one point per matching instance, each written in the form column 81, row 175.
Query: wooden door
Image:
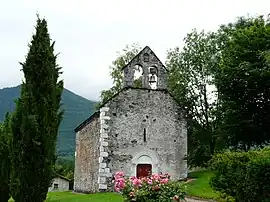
column 144, row 170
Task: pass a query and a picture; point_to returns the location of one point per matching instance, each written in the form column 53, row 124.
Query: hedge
column 245, row 176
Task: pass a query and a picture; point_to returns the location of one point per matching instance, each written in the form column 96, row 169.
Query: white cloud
column 88, row 33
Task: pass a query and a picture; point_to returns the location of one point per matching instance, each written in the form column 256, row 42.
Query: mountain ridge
column 76, row 110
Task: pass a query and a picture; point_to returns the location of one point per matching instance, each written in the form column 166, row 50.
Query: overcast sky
column 88, row 33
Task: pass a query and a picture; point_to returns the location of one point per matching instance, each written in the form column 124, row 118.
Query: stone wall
column 150, row 123
column 87, row 157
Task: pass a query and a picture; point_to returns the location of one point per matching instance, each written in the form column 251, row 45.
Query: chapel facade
column 140, row 130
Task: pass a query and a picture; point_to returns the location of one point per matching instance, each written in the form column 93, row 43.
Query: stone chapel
column 138, row 131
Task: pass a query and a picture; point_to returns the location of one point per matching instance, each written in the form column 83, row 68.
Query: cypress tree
column 36, row 120
column 5, row 159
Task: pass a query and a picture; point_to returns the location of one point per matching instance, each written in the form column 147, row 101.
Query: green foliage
column 65, row 167
column 36, row 120
column 5, row 136
column 76, row 110
column 243, row 175
column 191, row 83
column 123, row 58
column 243, row 82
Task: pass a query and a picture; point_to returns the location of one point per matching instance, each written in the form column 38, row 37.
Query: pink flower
column 117, row 189
column 164, row 181
column 150, row 181
column 132, row 178
column 120, row 182
column 156, row 177
column 119, row 174
column 136, row 182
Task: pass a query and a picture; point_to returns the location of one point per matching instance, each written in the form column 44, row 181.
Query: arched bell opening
column 137, row 76
column 153, row 77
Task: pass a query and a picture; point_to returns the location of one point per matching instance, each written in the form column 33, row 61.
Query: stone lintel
column 100, row 159
column 101, row 170
column 105, row 118
column 104, row 126
column 101, row 180
column 104, row 135
column 102, row 121
column 104, row 154
column 101, row 148
column 104, row 109
column 107, row 170
column 102, row 165
column 105, row 144
column 103, row 174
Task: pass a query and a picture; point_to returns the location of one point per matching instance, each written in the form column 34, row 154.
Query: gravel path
column 197, row 200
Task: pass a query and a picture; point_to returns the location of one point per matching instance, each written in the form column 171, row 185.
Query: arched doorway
column 144, row 170
column 143, row 163
column 144, row 166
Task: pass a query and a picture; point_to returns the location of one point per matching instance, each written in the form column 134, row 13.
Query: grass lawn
column 72, row 197
column 200, row 187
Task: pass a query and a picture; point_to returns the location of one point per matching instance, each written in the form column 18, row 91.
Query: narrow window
column 146, row 57
column 144, row 135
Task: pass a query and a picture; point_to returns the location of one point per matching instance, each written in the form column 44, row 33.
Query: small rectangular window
column 55, row 186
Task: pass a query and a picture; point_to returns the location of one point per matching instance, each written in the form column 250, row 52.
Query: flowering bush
column 149, row 189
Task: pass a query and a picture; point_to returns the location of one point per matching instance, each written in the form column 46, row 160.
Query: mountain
column 76, row 110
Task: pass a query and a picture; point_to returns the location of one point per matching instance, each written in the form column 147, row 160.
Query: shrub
column 149, row 189
column 257, row 185
column 244, row 176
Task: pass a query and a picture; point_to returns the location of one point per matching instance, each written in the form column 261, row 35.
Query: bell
column 152, row 79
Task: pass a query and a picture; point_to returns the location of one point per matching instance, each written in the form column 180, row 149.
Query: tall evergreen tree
column 36, row 120
column 5, row 159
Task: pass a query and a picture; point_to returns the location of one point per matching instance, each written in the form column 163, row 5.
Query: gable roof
column 62, row 177
column 143, row 50
column 88, row 120
column 96, row 114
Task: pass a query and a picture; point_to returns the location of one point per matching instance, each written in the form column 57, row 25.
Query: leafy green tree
column 65, row 167
column 5, row 136
column 36, row 120
column 243, row 82
column 123, row 58
column 191, row 83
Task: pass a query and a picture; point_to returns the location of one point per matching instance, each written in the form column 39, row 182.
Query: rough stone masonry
column 138, row 130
